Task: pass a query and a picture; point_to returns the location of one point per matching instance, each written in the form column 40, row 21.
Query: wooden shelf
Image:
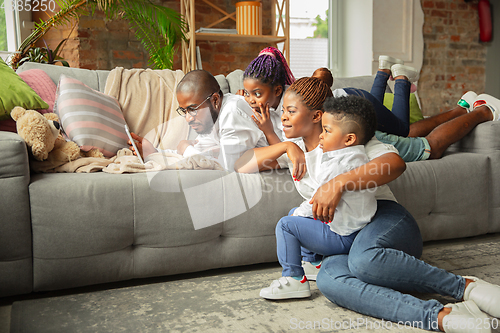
column 280, row 10
column 240, row 38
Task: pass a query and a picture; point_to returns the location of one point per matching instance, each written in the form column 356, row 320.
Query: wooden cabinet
column 280, row 31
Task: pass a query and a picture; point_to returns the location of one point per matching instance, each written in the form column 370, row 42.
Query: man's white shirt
column 233, row 133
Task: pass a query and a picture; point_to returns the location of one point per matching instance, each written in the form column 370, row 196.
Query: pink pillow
column 43, row 85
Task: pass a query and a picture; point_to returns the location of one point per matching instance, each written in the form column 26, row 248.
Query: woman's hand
column 325, row 200
column 183, row 144
column 377, row 172
column 298, row 158
column 240, row 92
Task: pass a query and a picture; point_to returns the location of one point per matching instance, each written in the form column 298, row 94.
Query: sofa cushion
column 43, row 85
column 415, row 112
column 90, row 118
column 224, row 86
column 15, row 92
column 361, row 82
column 235, row 80
column 95, row 79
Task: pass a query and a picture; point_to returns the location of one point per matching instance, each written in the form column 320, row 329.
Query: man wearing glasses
column 223, row 122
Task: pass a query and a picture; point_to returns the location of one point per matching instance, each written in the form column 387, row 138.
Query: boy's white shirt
column 356, row 208
column 308, row 185
column 233, row 133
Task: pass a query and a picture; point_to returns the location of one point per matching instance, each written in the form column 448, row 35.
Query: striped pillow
column 90, row 118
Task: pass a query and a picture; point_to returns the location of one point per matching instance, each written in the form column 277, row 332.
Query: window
column 11, row 27
column 308, row 36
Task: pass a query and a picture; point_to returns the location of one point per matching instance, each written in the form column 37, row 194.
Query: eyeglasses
column 193, row 111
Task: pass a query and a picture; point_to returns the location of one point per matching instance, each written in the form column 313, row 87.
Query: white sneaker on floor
column 287, row 287
column 484, row 294
column 467, row 100
column 386, row 62
column 491, row 102
column 310, row 270
column 410, row 72
column 465, row 317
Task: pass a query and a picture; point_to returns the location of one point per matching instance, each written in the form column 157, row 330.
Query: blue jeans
column 383, row 262
column 396, row 121
column 300, row 237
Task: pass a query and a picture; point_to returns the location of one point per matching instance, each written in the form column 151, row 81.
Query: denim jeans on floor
column 305, row 238
column 383, row 262
column 390, row 122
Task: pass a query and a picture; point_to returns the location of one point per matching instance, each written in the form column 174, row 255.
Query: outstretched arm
column 265, row 158
column 377, row 172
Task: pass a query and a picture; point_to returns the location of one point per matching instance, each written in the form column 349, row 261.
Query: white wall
column 492, row 55
column 361, row 30
column 357, row 28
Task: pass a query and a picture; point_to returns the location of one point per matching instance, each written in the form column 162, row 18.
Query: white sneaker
column 491, row 102
column 467, row 100
column 386, row 62
column 287, row 287
column 484, row 294
column 310, row 270
column 465, row 317
column 410, row 72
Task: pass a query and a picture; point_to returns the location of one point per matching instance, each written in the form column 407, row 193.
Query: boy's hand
column 298, row 158
column 263, row 119
column 182, row 146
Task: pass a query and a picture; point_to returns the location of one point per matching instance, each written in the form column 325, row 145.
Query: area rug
column 228, row 301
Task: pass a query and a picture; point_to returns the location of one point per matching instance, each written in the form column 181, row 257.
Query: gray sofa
column 67, row 230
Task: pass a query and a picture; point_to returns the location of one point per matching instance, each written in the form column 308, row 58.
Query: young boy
column 348, row 123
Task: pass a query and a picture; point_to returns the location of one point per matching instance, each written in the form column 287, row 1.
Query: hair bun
column 324, row 75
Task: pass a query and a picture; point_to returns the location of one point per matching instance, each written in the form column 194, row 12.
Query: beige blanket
column 148, row 102
column 126, row 162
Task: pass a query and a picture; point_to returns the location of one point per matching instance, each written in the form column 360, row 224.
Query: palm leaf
column 158, row 28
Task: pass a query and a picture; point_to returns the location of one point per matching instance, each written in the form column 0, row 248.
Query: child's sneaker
column 311, row 270
column 386, row 62
column 410, row 72
column 491, row 102
column 287, row 287
column 467, row 100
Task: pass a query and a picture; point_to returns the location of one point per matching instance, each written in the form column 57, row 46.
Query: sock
column 316, row 263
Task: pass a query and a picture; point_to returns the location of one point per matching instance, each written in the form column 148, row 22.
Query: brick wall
column 454, row 59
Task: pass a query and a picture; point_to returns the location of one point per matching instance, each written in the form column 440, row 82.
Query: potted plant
column 158, row 28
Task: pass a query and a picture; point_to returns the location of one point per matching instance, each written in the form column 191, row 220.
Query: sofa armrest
column 15, row 227
column 483, row 139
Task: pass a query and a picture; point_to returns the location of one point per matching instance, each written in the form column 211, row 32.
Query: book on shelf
column 217, row 31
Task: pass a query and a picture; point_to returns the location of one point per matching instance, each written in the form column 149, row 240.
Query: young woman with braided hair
column 265, row 80
column 383, row 258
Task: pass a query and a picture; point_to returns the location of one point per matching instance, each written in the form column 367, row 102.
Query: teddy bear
column 47, row 146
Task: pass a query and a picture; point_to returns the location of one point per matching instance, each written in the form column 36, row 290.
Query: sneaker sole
column 311, row 277
column 293, row 294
